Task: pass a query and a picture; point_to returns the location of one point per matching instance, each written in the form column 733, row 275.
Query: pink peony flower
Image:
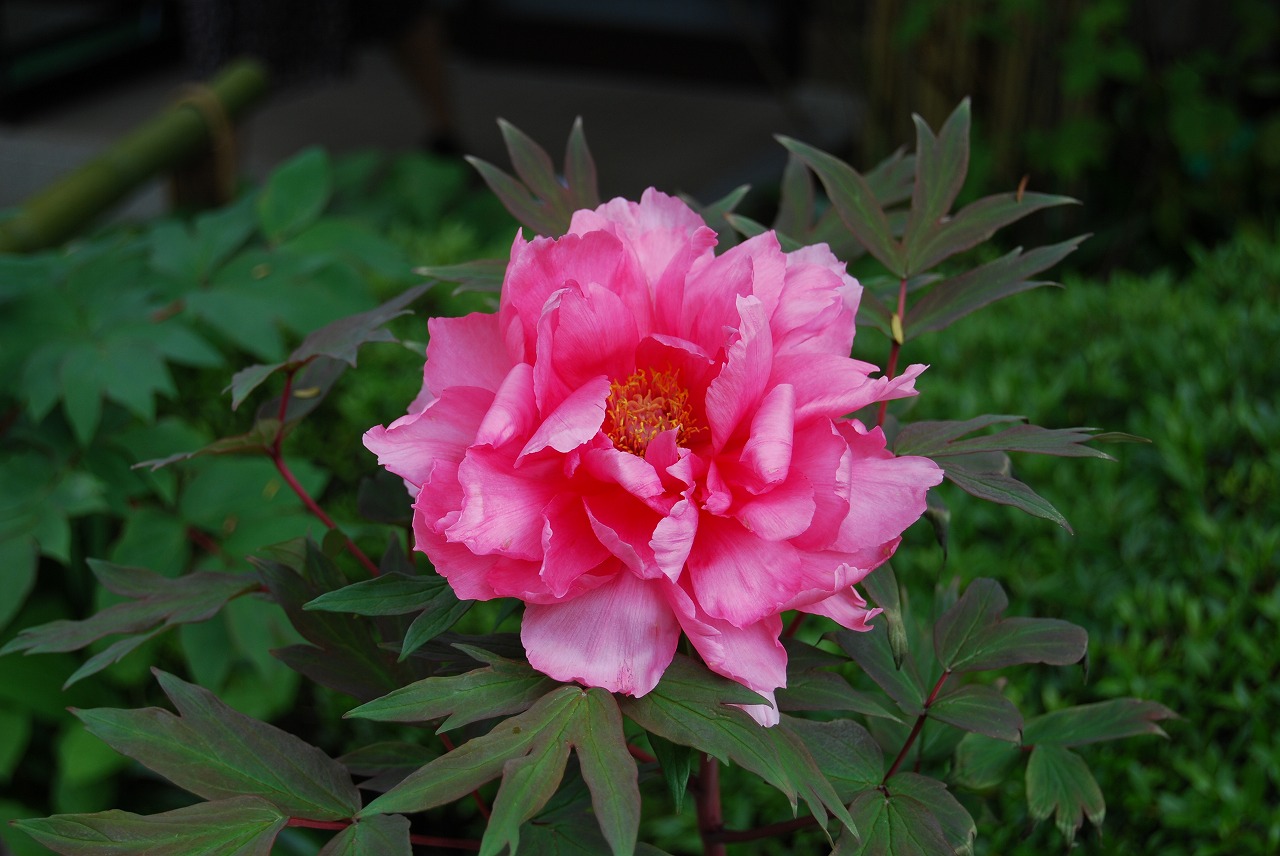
column 649, row 439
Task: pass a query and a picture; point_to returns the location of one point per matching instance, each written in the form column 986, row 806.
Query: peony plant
column 659, row 458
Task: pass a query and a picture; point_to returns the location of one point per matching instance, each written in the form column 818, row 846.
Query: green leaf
column 942, row 162
column 942, row 439
column 15, row 732
column 163, row 603
column 18, row 560
column 477, row 275
column 528, row 783
column 983, row 763
column 241, row 826
column 216, row 752
column 974, row 224
column 502, row 688
column 389, row 594
column 1093, row 723
column 81, row 380
column 973, row 636
column 1059, row 783
column 441, row 613
column 951, row 299
column 580, row 170
column 676, row 762
column 856, row 203
column 380, row 835
column 818, row 690
column 248, row 379
column 981, row 709
column 871, row 651
column 341, row 340
column 481, row 759
column 956, row 823
column 295, row 194
column 892, row 825
column 882, row 587
column 1003, row 490
column 846, row 753
column 608, row 769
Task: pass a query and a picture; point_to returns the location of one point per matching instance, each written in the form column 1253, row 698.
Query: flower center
column 643, row 406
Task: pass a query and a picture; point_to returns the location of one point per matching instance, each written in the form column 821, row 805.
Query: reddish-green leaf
column 481, row 759
column 502, row 688
column 871, row 652
column 973, row 635
column 942, row 162
column 248, row 379
column 241, row 826
column 952, row 299
column 477, row 275
column 1093, row 723
column 984, row 762
column 533, row 165
column 580, row 179
column 882, row 587
column 216, row 752
column 528, row 783
column 1059, row 783
column 846, row 753
column 342, row 339
column 380, row 835
column 892, row 825
column 956, row 823
column 817, row 690
column 856, row 203
column 980, row 709
column 163, row 602
column 974, row 224
column 443, row 611
column 608, row 769
column 388, row 594
column 1004, row 490
column 944, row 439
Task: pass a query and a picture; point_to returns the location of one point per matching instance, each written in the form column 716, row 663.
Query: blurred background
column 1161, row 116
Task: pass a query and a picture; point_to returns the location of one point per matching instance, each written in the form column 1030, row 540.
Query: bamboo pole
column 162, row 143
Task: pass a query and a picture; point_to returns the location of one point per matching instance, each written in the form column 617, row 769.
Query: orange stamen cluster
column 643, row 406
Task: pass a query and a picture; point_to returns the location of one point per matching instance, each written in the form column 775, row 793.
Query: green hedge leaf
column 216, row 753
column 981, row 709
column 380, row 835
column 240, row 826
column 1093, row 723
column 1059, row 783
column 295, row 194
column 502, row 688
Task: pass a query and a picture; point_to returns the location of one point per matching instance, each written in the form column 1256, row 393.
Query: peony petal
column 819, row 301
column 832, row 386
column 624, row 526
column 738, row 576
column 633, row 473
column 502, row 507
column 846, row 608
column 673, row 538
column 766, row 456
column 411, row 445
column 514, row 413
column 751, row 655
column 570, row 547
column 574, row 422
column 620, row 636
column 466, row 351
column 784, row 512
column 589, row 332
column 737, row 391
column 887, row 492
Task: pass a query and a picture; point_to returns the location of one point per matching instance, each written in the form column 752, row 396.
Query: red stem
column 710, row 816
column 424, row 840
column 277, row 457
column 730, row 836
column 794, row 626
column 640, row 755
column 891, row 370
column 915, row 729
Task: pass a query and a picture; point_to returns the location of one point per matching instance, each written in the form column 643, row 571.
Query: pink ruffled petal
column 673, row 538
column 502, row 506
column 411, row 445
column 624, row 526
column 570, row 547
column 751, row 655
column 831, row 386
column 620, row 636
column 739, row 577
column 819, row 301
column 783, row 512
column 766, row 456
column 466, row 351
column 887, row 492
column 513, row 414
column 822, row 456
column 633, row 473
column 846, row 608
column 574, row 422
column 737, row 391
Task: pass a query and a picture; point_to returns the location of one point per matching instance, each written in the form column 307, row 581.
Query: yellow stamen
column 643, row 406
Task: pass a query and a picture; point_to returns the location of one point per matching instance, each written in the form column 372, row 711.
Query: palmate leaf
column 870, row 650
column 689, row 706
column 239, row 826
column 217, row 753
column 1059, row 783
column 980, row 709
column 973, row 635
column 159, row 603
column 502, row 688
column 529, row 752
column 538, row 198
column 846, row 753
column 892, row 825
